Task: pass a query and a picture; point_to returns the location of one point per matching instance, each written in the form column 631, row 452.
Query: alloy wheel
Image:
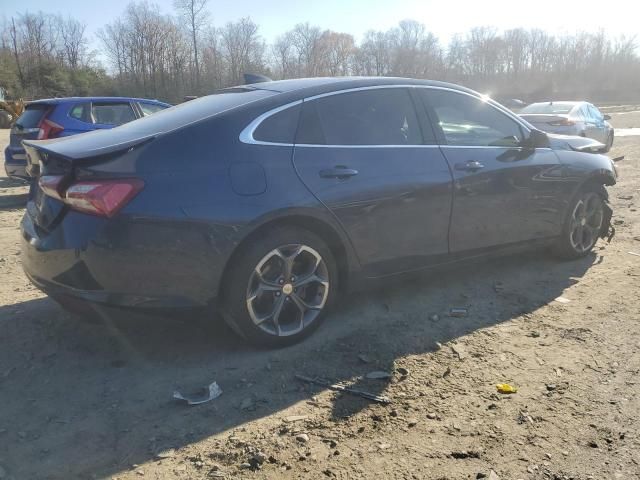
column 586, row 222
column 287, row 290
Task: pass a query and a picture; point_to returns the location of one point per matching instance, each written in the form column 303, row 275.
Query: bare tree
column 195, row 14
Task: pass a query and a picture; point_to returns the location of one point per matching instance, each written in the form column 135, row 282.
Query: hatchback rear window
column 82, row 112
column 31, row 117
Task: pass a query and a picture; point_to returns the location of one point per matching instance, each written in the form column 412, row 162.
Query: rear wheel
column 583, row 224
column 280, row 287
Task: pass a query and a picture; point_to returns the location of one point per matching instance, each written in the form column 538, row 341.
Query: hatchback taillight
column 97, row 197
column 49, row 129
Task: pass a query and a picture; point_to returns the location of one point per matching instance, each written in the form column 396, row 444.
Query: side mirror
column 607, row 117
column 537, row 139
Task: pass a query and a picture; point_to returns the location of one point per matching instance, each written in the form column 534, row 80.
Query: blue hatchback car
column 62, row 117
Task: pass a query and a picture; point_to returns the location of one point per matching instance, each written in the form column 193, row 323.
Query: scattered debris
column 506, row 388
column 295, row 418
column 461, row 455
column 378, row 375
column 166, row 454
column 204, row 395
column 634, row 253
column 342, row 388
column 458, row 312
column 402, row 371
column 562, row 300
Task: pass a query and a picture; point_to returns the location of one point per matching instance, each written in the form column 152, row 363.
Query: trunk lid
column 544, row 119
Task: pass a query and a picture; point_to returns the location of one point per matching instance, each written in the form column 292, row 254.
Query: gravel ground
column 91, row 397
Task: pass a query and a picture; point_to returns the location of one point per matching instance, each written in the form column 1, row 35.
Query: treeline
column 152, row 54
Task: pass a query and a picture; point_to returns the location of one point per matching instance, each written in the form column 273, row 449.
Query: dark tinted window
column 31, row 117
column 368, row 117
column 279, row 127
column 112, row 113
column 82, row 112
column 469, row 121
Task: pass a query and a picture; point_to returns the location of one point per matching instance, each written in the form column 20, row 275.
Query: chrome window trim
column 246, row 135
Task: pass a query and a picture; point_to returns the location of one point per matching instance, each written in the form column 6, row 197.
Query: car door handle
column 470, row 166
column 339, row 171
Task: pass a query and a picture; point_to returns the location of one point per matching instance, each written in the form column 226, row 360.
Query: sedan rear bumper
column 77, row 261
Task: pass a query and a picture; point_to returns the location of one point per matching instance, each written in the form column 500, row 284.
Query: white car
column 570, row 118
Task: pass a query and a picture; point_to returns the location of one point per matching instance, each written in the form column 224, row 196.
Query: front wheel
column 583, row 224
column 280, row 287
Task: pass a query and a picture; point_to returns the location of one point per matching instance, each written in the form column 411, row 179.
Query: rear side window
column 279, row 127
column 369, row 117
column 31, row 117
column 150, row 108
column 82, row 112
column 112, row 113
column 468, row 121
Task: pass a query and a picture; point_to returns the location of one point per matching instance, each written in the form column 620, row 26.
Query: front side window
column 112, row 113
column 469, row 121
column 383, row 116
column 595, row 113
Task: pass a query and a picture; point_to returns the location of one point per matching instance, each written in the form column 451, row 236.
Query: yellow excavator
column 10, row 110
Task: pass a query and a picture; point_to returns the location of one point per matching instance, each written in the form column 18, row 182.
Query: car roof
column 322, row 84
column 60, row 100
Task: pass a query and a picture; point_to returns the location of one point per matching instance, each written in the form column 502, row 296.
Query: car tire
column 273, row 280
column 583, row 223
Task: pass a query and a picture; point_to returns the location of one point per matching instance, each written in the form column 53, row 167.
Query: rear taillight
column 97, row 197
column 565, row 122
column 49, row 129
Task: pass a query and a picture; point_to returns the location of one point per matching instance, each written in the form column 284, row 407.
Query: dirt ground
column 94, row 400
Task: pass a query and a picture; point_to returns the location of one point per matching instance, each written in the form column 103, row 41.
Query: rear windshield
column 549, row 108
column 194, row 110
column 31, row 117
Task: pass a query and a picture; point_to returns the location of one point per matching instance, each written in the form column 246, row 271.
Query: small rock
column 548, row 456
column 481, row 475
column 259, row 458
column 551, row 387
column 245, row 466
column 412, row 422
column 459, row 350
column 295, row 418
column 166, row 453
column 565, row 453
column 438, row 345
column 493, row 475
column 431, row 416
column 447, row 372
column 465, row 454
column 593, row 444
column 393, row 413
column 402, row 371
column 302, row 438
column 384, row 446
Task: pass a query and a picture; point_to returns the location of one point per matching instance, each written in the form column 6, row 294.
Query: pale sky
column 442, row 17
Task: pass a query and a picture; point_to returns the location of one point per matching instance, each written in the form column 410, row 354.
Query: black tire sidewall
column 234, row 295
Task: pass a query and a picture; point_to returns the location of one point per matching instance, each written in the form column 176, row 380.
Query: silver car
column 570, row 118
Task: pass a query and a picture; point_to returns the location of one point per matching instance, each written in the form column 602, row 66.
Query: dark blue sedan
column 61, row 117
column 270, row 200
